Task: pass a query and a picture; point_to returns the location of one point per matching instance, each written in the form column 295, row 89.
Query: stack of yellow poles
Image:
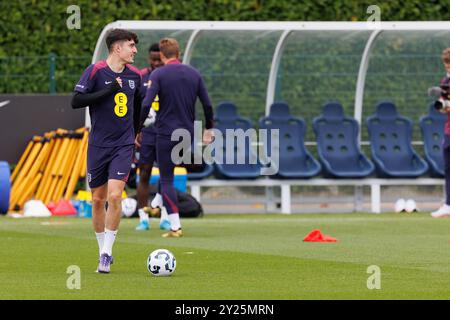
column 79, row 166
column 27, row 175
column 67, row 166
column 50, row 167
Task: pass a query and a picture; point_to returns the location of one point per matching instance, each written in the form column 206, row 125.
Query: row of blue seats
column 338, row 149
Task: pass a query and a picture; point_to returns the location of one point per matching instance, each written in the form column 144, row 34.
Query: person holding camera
column 443, row 105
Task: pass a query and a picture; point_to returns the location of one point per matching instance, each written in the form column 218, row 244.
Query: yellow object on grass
column 176, row 171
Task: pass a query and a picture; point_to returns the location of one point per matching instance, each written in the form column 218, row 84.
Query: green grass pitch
column 233, row 257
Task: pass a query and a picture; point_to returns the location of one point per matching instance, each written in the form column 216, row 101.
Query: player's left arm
column 208, row 135
column 206, row 103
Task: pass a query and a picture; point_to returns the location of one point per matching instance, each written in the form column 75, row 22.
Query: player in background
column 147, row 155
column 111, row 89
column 444, row 210
column 177, row 86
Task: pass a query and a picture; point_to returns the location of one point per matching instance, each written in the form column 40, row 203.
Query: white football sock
column 100, row 239
column 164, row 215
column 143, row 216
column 110, row 237
column 157, row 201
column 174, row 219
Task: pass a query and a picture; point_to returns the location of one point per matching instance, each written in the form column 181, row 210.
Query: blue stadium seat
column 197, row 171
column 390, row 137
column 295, row 161
column 337, row 144
column 432, row 127
column 226, row 117
column 206, row 171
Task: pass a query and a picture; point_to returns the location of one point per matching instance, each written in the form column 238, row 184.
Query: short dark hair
column 169, row 48
column 154, row 48
column 115, row 35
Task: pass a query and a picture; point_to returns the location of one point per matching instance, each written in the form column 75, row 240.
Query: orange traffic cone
column 64, row 208
column 51, row 206
column 317, row 236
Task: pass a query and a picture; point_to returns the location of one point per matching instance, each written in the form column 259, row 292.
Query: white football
column 410, row 206
column 400, row 205
column 161, row 262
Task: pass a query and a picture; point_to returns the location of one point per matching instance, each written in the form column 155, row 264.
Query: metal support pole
column 51, row 74
column 270, row 200
column 376, row 198
column 285, row 198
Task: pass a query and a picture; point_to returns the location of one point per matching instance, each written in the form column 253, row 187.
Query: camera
column 442, row 95
column 444, row 99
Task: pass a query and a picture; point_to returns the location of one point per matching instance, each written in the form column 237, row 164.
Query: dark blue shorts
column 149, row 135
column 108, row 163
column 147, row 154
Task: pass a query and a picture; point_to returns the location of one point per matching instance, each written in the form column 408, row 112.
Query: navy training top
column 177, row 86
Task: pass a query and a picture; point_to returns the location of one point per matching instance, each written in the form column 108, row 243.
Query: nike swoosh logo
column 108, row 82
column 120, row 173
column 4, row 103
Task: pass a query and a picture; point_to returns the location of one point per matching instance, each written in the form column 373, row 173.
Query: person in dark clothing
column 111, row 89
column 178, row 86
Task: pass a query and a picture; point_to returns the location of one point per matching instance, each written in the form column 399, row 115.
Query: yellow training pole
column 29, row 193
column 22, row 179
column 20, row 190
column 61, row 165
column 45, row 183
column 45, row 166
column 46, row 180
column 25, row 184
column 22, row 160
column 76, row 170
column 65, row 173
column 40, row 159
column 51, row 142
column 55, row 169
column 66, row 168
column 33, row 154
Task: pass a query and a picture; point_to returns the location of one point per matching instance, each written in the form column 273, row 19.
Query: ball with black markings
column 161, row 263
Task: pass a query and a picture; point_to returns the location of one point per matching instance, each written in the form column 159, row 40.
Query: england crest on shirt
column 131, row 83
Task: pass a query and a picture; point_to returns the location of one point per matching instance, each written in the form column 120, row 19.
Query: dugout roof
column 305, row 63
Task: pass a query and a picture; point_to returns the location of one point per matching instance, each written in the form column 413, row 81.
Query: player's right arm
column 83, row 93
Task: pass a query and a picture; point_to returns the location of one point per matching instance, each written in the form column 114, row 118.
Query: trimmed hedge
column 36, row 28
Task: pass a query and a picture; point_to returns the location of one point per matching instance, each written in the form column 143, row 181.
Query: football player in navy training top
column 111, row 89
column 147, row 155
column 177, row 86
